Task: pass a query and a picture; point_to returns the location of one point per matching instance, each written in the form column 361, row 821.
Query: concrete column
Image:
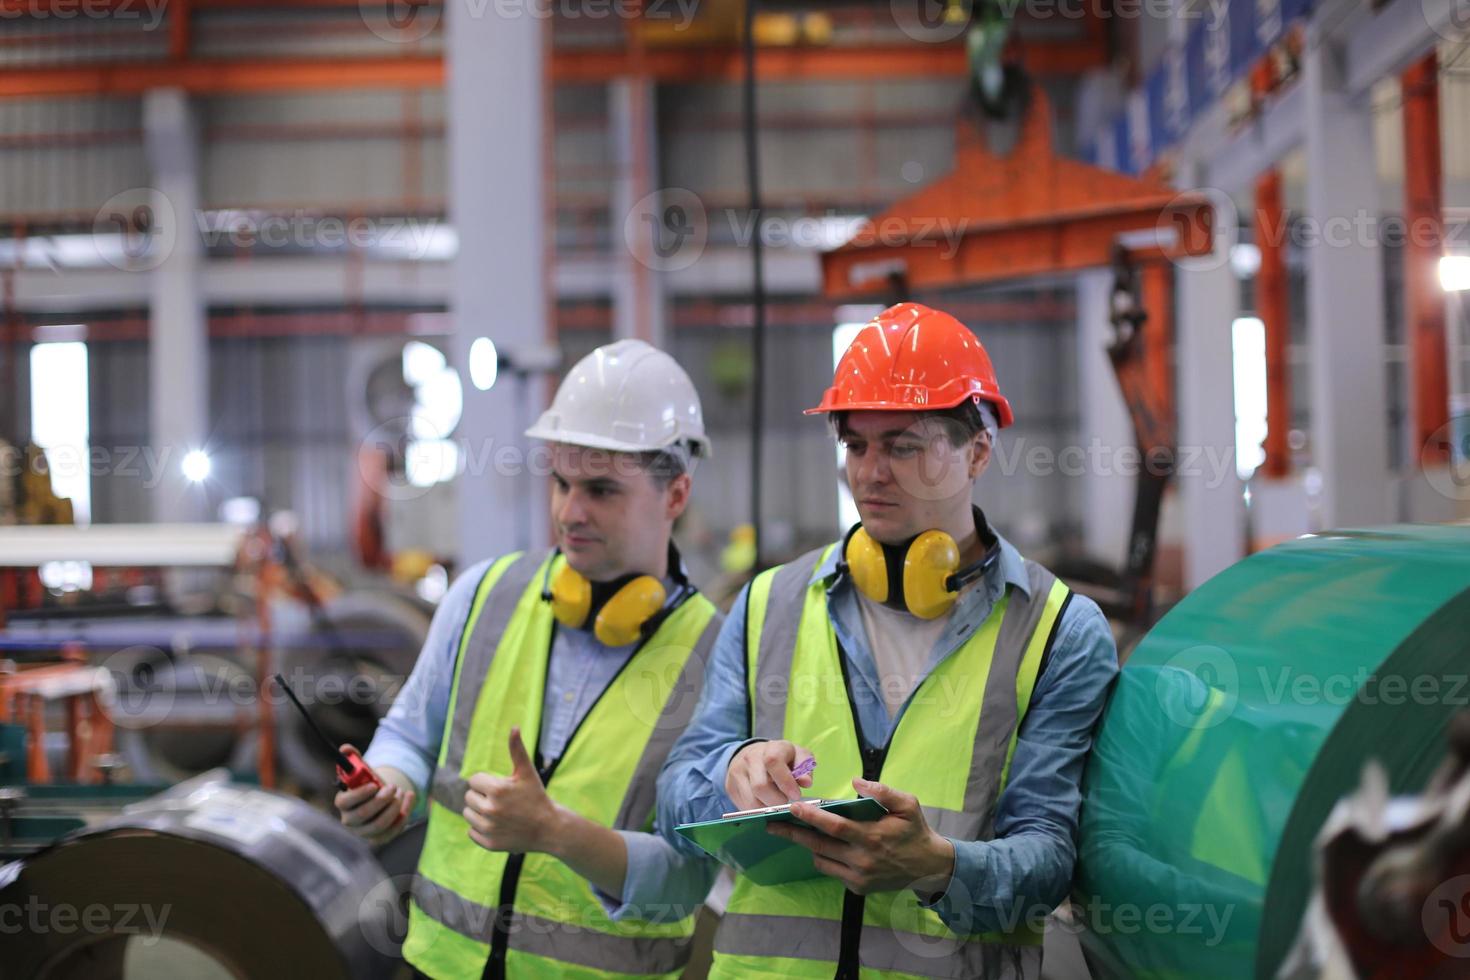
column 178, row 329
column 1211, row 506
column 1349, row 437
column 639, row 307
column 499, row 289
column 1107, row 502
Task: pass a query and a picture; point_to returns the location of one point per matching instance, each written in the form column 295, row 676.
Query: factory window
column 59, row 414
column 1248, row 342
column 438, row 400
column 854, row 319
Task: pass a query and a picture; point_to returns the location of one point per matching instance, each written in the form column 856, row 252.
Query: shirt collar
column 1010, row 566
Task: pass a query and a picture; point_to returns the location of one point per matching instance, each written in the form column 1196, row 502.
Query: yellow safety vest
column 476, row 912
column 952, row 749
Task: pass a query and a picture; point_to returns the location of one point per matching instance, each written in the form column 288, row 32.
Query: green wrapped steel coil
column 1239, row 721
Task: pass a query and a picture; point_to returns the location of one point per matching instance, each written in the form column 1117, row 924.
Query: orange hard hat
column 913, row 358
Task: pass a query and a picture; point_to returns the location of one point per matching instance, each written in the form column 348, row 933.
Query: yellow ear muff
column 931, row 560
column 571, row 597
column 867, row 565
column 621, row 619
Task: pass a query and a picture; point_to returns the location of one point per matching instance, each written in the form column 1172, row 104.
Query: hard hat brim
column 832, row 402
column 592, row 440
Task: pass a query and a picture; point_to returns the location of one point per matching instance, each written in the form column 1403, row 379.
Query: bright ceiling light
column 1454, row 273
column 196, row 465
column 484, row 363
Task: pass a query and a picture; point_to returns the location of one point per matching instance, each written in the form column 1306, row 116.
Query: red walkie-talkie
column 352, row 772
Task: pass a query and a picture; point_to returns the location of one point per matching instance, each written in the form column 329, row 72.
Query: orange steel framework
column 24, row 696
column 1273, row 307
column 1424, row 246
column 685, row 63
column 1157, row 288
column 217, row 77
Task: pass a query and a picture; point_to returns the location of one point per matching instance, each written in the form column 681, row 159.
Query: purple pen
column 805, row 768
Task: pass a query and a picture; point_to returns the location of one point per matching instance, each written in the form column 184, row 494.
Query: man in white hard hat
column 545, row 701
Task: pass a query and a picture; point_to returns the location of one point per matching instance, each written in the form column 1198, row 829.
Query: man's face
column 610, row 516
column 905, row 475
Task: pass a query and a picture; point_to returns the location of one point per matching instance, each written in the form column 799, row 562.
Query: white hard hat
column 626, row 396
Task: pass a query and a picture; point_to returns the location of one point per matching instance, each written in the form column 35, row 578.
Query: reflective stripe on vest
column 951, row 749
column 475, row 910
column 743, row 949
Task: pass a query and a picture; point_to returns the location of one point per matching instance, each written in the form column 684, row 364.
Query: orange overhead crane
column 1026, row 213
column 1002, row 217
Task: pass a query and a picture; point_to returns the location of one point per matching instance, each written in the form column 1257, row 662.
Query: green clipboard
column 743, row 844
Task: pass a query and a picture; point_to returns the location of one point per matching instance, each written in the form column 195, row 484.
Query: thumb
column 521, row 759
column 895, row 800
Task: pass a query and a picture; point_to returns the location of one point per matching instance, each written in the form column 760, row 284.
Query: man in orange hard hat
column 920, row 661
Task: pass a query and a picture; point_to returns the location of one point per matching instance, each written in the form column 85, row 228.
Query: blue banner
column 1191, row 77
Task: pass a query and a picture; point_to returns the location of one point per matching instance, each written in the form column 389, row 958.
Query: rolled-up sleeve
column 1026, row 870
column 409, row 735
column 691, row 786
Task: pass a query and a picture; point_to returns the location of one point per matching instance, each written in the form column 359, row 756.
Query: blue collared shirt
column 661, row 883
column 1028, row 865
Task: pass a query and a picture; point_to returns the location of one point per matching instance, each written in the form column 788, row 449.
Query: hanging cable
column 758, row 289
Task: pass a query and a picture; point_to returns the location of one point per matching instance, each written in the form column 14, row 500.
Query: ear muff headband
column 622, row 617
column 929, row 563
column 866, row 561
column 921, row 575
column 622, row 611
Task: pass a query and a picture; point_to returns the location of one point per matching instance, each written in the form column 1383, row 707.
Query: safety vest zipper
column 848, row 963
column 510, row 878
